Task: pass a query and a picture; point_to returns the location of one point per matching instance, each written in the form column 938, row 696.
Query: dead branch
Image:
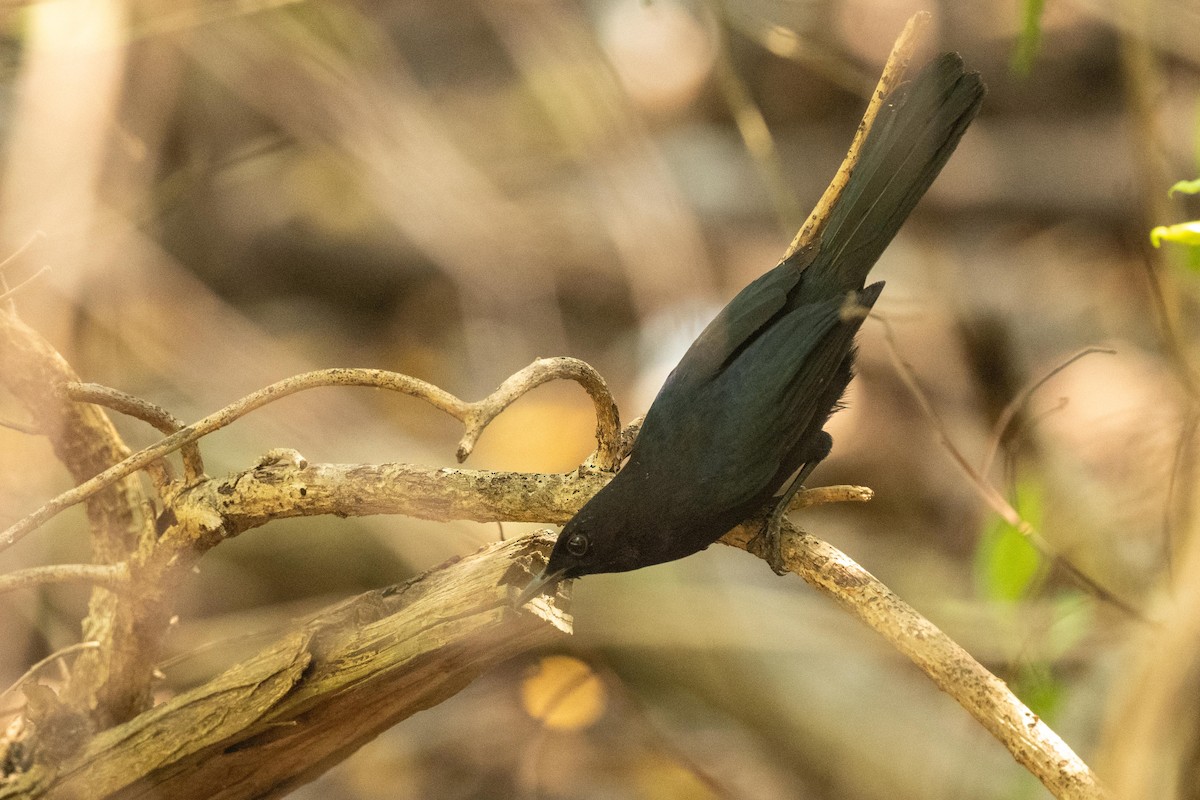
column 108, row 575
column 85, row 442
column 475, row 416
column 282, row 718
column 286, row 489
column 138, row 408
column 985, row 697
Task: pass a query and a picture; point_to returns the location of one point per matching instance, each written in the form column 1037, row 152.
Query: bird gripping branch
column 738, row 424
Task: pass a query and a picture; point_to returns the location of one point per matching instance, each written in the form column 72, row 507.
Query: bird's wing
column 781, row 392
column 733, row 435
column 738, row 323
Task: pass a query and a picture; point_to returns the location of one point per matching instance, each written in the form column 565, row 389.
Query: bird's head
column 589, row 543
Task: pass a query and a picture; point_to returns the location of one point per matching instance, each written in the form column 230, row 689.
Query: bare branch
column 276, row 491
column 157, row 416
column 608, row 424
column 109, row 575
column 987, row 698
column 474, row 415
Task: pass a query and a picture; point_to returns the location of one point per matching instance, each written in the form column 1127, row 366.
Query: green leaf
column 1184, row 233
column 1006, row 563
column 1185, row 187
column 1031, row 37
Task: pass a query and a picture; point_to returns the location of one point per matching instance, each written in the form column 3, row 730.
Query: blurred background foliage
column 229, row 193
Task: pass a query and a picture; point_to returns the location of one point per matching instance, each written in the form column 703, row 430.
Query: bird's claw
column 773, row 546
column 768, row 542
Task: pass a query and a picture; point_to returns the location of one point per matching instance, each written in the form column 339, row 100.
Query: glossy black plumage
column 745, row 407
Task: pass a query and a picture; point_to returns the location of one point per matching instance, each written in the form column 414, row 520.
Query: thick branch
column 286, row 489
column 83, row 438
column 285, row 716
column 106, row 682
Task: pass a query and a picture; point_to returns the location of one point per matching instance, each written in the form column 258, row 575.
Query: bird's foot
column 767, row 544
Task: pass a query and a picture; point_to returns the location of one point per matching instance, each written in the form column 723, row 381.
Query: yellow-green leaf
column 1185, row 187
column 1184, row 233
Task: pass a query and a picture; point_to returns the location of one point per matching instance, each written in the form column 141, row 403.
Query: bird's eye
column 577, row 545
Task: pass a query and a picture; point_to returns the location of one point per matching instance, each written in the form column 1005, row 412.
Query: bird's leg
column 772, row 545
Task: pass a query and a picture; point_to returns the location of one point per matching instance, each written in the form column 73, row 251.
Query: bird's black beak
column 539, row 582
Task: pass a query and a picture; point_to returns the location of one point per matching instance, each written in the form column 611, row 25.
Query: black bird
column 743, row 411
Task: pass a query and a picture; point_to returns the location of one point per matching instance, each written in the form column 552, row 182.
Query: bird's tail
column 916, row 130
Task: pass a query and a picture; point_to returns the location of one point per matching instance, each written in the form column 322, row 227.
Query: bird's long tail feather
column 916, row 130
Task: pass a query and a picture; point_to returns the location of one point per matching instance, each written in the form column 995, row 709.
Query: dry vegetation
column 228, row 195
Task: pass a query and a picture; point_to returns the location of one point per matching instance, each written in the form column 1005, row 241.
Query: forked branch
column 475, row 416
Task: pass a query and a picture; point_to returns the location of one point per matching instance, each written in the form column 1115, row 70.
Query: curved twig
column 608, row 423
column 1017, row 403
column 157, row 416
column 475, row 416
column 995, row 500
column 110, row 575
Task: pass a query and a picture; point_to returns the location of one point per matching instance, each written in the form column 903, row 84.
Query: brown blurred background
column 228, row 193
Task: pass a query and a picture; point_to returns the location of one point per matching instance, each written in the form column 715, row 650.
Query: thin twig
column 157, row 416
column 110, row 575
column 21, row 427
column 1017, row 403
column 475, row 416
column 995, row 500
column 893, row 74
column 10, row 293
column 29, row 673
